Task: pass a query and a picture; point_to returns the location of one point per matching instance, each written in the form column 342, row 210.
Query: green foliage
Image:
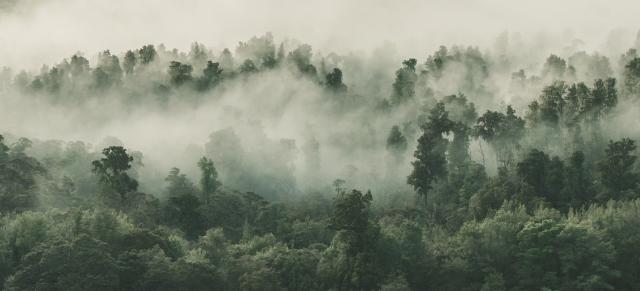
column 617, row 171
column 467, row 67
column 537, row 170
column 112, row 174
column 211, row 76
column 404, row 85
column 301, row 59
column 259, row 50
column 87, row 266
column 564, row 256
column 555, row 67
column 18, row 177
column 560, row 213
column 334, row 81
column 503, row 132
column 209, row 177
column 147, row 54
column 632, row 76
column 180, row 73
column 351, row 212
column 108, row 72
column 430, row 164
column 129, row 63
column 78, row 66
column 248, row 67
column 352, row 261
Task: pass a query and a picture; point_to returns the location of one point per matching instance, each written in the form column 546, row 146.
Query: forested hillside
column 272, row 166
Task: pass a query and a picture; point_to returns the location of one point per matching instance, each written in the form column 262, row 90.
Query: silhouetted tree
column 147, row 54
column 616, row 170
column 431, row 162
column 209, row 178
column 334, row 81
column 111, row 171
column 211, row 76
column 404, row 85
column 129, row 63
column 180, row 73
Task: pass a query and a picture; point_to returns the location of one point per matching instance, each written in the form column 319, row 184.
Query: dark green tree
column 211, row 76
column 334, row 81
column 248, row 67
column 546, row 177
column 617, row 168
column 431, row 161
column 147, row 54
column 632, row 77
column 404, row 85
column 18, row 177
column 108, row 72
column 532, row 169
column 209, row 178
column 180, row 73
column 111, row 171
column 78, row 66
column 301, row 58
column 503, row 132
column 81, row 264
column 351, row 212
column 129, row 62
column 352, row 262
column 578, row 183
column 179, row 184
column 555, row 67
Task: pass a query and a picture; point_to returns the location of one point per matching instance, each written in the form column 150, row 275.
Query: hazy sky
column 33, row 32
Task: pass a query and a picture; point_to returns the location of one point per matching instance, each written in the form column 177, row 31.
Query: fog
column 319, row 145
column 34, row 32
column 276, row 115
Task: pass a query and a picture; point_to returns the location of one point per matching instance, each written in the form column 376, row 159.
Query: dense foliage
column 538, row 197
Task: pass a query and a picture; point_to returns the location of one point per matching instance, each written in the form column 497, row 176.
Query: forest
column 274, row 166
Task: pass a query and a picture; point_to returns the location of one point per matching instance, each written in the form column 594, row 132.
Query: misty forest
column 272, row 165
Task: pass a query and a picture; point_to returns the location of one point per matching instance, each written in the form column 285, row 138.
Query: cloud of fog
column 36, row 32
column 268, row 109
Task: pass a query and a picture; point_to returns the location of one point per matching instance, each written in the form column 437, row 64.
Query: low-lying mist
column 274, row 120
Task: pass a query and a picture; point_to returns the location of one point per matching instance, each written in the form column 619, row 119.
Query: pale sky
column 39, row 31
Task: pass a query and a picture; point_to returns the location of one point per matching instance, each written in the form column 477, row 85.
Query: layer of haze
column 372, row 37
column 34, row 32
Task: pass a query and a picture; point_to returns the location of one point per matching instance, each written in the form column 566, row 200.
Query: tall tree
column 334, row 81
column 405, row 83
column 578, row 182
column 396, row 143
column 431, row 162
column 211, row 76
column 78, row 66
column 301, row 58
column 632, row 77
column 112, row 174
column 555, row 67
column 182, row 207
column 617, row 169
column 179, row 184
column 209, row 178
column 18, row 177
column 502, row 131
column 180, row 73
column 147, row 54
column 129, row 62
column 248, row 67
